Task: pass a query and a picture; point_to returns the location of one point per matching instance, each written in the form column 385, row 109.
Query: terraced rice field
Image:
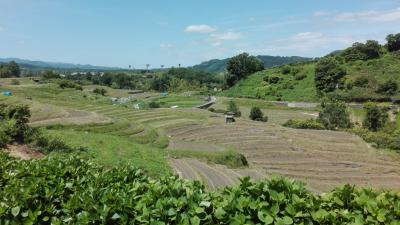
column 322, row 159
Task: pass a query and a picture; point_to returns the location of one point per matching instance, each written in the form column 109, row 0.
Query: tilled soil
column 322, row 159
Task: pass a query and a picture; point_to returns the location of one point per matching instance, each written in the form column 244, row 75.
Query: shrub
column 232, row 107
column 100, row 91
column 4, row 138
column 257, row 115
column 361, row 81
column 390, row 87
column 376, row 117
column 305, row 124
column 334, row 115
column 300, row 76
column 15, row 82
column 154, row 105
column 50, row 75
column 69, row 84
column 286, row 69
column 274, row 80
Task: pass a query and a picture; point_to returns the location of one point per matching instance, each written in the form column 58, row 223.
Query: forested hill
column 40, row 65
column 219, row 65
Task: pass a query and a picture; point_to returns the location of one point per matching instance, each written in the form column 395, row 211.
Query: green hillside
column 219, row 65
column 364, row 80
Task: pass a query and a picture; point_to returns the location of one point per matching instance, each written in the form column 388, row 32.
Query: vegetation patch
column 305, row 124
column 77, row 191
column 230, row 158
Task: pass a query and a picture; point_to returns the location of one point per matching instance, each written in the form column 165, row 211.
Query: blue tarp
column 7, row 93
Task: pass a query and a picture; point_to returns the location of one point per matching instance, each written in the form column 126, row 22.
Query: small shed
column 230, row 117
column 7, row 93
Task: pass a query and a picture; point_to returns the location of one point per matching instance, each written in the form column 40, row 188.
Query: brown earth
column 23, row 151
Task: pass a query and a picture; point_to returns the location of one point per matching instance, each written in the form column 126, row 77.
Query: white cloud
column 202, row 28
column 1, row 28
column 321, row 13
column 369, row 16
column 227, row 36
column 163, row 45
column 305, row 43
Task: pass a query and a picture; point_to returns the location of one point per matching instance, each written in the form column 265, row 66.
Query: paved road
column 212, row 101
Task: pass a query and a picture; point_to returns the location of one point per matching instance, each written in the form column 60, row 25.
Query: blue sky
column 122, row 33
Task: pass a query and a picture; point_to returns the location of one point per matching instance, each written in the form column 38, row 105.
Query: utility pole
column 147, row 67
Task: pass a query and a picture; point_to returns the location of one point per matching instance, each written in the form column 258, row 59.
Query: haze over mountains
column 30, row 64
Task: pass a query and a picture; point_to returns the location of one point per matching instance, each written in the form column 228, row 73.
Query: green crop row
column 63, row 189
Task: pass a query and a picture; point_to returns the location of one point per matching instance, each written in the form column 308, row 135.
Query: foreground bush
column 304, row 124
column 70, row 190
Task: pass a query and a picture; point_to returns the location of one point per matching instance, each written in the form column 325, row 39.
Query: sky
column 187, row 32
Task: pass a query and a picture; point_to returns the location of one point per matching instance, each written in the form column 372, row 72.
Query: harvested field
column 322, row 159
column 213, row 176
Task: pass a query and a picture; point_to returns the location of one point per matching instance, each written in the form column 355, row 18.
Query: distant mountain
column 29, row 64
column 219, row 65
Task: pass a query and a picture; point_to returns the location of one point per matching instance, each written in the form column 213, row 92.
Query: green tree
column 328, row 74
column 390, row 87
column 257, row 115
column 360, row 51
column 14, row 69
column 241, row 66
column 393, row 42
column 334, row 115
column 376, row 117
column 10, row 69
column 232, row 107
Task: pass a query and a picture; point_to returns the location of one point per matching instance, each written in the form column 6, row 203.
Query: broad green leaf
column 15, row 211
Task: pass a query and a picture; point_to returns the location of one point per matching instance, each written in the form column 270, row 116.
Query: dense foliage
column 393, row 42
column 10, row 69
column 69, row 84
column 328, row 74
column 219, row 65
column 305, row 124
column 361, row 73
column 100, row 91
column 376, row 117
column 70, row 190
column 14, row 128
column 232, row 107
column 183, row 79
column 257, row 115
column 360, row 51
column 241, row 66
column 334, row 115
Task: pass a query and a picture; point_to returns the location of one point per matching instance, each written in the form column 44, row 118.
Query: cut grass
column 230, row 158
column 111, row 150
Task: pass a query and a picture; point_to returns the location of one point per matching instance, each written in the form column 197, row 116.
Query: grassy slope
column 111, row 150
column 255, row 86
column 288, row 89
